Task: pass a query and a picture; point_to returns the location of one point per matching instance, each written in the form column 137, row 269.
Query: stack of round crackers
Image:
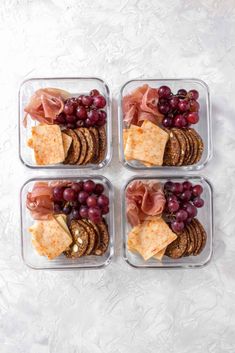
column 88, row 238
column 191, row 241
column 184, row 147
column 88, row 145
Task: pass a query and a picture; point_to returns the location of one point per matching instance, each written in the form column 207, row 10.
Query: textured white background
column 118, row 310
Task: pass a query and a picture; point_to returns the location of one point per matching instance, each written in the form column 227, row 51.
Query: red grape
column 193, row 94
column 193, row 118
column 87, row 101
column 173, row 206
column 77, row 186
column 67, row 209
column 71, row 119
column 194, row 106
column 83, row 211
column 103, row 201
column 93, row 116
column 75, row 204
column 185, row 205
column 58, row 193
column 57, row 207
column 168, row 185
column 69, row 194
column 99, row 188
column 167, row 122
column 197, row 190
column 188, row 220
column 174, row 101
column 102, row 118
column 181, row 216
column 89, row 186
column 177, row 227
column 81, row 113
column 68, row 108
column 179, row 121
column 94, row 214
column 99, row 102
column 182, row 92
column 198, row 202
column 60, row 119
column 82, row 197
column 183, row 105
column 191, row 210
column 172, row 198
column 187, row 185
column 91, row 201
column 105, row 210
column 76, row 214
column 177, row 188
column 94, row 92
column 88, row 123
column 164, row 92
column 186, row 195
column 164, row 108
column 162, row 101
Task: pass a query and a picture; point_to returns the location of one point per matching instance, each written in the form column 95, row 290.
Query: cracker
column 67, row 140
column 201, row 234
column 195, row 147
column 90, row 145
column 150, row 237
column 104, row 238
column 192, row 240
column 95, row 133
column 160, row 254
column 178, row 247
column 75, row 148
column 102, row 143
column 80, row 240
column 180, row 136
column 200, row 145
column 92, row 236
column 146, row 143
column 84, row 147
column 50, row 238
column 172, row 150
column 187, row 150
column 47, row 144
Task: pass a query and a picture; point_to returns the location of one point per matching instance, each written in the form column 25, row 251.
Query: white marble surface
column 118, row 310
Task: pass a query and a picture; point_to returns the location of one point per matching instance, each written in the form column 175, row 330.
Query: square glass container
column 203, row 127
column 205, row 216
column 33, row 260
column 75, row 86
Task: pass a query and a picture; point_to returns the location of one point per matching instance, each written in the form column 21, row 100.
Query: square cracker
column 61, row 219
column 146, row 143
column 49, row 238
column 67, row 140
column 150, row 237
column 47, row 144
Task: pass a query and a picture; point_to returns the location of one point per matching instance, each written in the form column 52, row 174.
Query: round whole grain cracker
column 181, row 138
column 75, row 148
column 90, row 145
column 80, row 240
column 200, row 145
column 191, row 245
column 172, row 150
column 96, row 229
column 92, row 235
column 95, row 133
column 83, row 142
column 204, row 236
column 191, row 145
column 198, row 233
column 104, row 238
column 177, row 248
column 102, row 143
column 187, row 150
column 195, row 147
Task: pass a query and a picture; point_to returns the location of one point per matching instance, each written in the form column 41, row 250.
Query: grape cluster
column 180, row 110
column 83, row 111
column 81, row 200
column 182, row 201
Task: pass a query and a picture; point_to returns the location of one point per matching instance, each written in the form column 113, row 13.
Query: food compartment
column 164, row 229
column 65, row 123
column 165, row 124
column 67, row 223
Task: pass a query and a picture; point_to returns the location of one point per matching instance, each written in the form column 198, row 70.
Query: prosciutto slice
column 141, row 105
column 40, row 201
column 144, row 200
column 45, row 105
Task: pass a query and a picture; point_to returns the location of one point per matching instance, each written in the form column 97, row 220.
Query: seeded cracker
column 172, row 150
column 104, row 238
column 92, row 236
column 84, row 147
column 146, row 143
column 102, row 143
column 182, row 141
column 200, row 145
column 47, row 144
column 90, row 145
column 74, row 150
column 178, row 247
column 80, row 240
column 195, row 147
